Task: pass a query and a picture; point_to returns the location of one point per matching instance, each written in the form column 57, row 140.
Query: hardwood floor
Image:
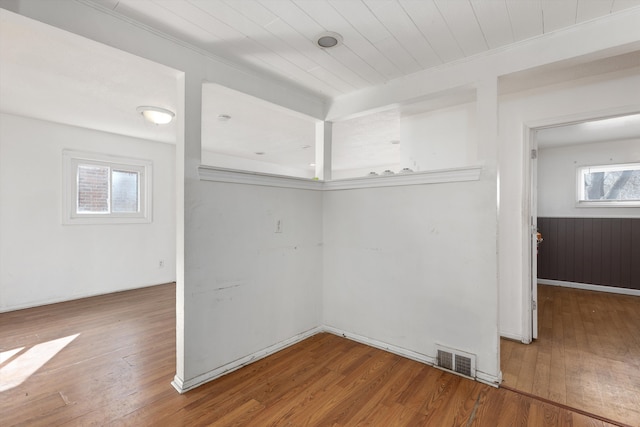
column 109, row 360
column 587, row 355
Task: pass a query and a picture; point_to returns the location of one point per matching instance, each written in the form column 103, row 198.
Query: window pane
column 93, row 189
column 622, row 184
column 124, row 191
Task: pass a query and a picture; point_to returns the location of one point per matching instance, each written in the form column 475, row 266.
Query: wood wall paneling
column 598, row 251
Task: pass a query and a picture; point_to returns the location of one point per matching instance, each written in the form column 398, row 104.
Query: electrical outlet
column 161, row 263
column 279, row 226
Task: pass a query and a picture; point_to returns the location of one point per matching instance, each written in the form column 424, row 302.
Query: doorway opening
column 583, row 336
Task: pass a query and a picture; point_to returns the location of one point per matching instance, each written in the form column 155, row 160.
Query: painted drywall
column 44, row 261
column 256, row 268
column 583, row 99
column 414, row 266
column 557, row 177
column 439, row 139
column 435, row 139
column 211, row 158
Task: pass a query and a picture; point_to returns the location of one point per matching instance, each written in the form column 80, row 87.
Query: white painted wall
column 557, row 177
column 439, row 139
column 252, row 287
column 579, row 100
column 211, row 158
column 44, row 261
column 414, row 266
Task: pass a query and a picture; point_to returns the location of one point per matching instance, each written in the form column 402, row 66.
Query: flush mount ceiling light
column 156, row 115
column 328, row 39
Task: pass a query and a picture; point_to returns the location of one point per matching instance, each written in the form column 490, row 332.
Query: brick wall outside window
column 106, row 189
column 93, row 188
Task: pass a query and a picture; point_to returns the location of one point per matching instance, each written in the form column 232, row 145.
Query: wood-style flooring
column 587, row 354
column 109, row 360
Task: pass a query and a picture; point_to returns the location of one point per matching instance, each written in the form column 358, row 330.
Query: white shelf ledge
column 469, row 173
column 210, row 173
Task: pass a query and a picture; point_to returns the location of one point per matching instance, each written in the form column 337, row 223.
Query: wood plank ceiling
column 382, row 39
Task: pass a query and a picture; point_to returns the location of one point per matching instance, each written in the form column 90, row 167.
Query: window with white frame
column 101, row 189
column 609, row 185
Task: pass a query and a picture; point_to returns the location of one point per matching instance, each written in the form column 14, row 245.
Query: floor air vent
column 456, row 361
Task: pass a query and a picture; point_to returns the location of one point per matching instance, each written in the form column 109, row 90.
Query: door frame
column 528, row 194
column 529, row 200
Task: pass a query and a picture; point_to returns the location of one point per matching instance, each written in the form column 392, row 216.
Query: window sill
column 85, row 220
column 608, row 204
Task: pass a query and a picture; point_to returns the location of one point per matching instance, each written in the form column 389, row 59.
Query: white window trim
column 581, row 203
column 72, row 158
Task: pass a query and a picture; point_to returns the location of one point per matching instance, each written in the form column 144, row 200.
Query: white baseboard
column 589, row 287
column 488, row 379
column 510, row 336
column 482, row 377
column 184, row 386
column 178, row 384
column 409, row 354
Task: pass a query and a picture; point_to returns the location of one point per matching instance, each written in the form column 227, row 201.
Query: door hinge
column 534, row 305
column 534, row 154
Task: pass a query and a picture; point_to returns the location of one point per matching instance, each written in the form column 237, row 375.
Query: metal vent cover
column 457, row 361
column 445, row 359
column 463, row 365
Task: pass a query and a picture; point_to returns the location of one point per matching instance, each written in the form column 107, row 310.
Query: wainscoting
column 599, row 251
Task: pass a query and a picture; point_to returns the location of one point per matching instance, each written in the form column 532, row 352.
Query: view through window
column 106, row 188
column 609, row 184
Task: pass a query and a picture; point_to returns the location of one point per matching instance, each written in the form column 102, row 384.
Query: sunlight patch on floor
column 6, row 355
column 27, row 363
